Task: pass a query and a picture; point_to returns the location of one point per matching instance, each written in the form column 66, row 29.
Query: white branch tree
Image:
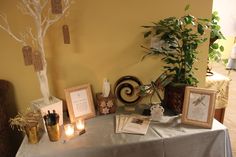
column 40, row 11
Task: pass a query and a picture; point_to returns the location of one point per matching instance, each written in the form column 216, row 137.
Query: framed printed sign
column 80, row 102
column 198, row 107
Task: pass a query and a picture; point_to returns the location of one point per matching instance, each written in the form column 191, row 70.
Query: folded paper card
column 134, row 124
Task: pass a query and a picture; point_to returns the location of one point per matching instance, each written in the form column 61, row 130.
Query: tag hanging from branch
column 66, row 34
column 56, row 6
column 27, row 53
column 37, row 61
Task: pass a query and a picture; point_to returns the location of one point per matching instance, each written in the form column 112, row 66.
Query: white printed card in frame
column 198, row 107
column 80, row 102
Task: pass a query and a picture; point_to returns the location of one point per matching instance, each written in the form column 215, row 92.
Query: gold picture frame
column 198, row 107
column 80, row 102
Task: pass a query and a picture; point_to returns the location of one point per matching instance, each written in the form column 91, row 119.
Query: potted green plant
column 176, row 40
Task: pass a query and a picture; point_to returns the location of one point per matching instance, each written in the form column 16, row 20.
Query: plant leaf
column 205, row 20
column 146, row 34
column 215, row 46
column 222, row 48
column 188, row 19
column 146, row 26
column 200, row 29
column 186, row 7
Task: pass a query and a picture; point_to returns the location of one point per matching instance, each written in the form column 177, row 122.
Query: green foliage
column 215, row 49
column 181, row 38
column 215, row 28
column 187, row 7
column 225, row 61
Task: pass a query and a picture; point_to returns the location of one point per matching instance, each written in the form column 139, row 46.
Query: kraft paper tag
column 56, row 6
column 66, row 34
column 27, row 53
column 37, row 61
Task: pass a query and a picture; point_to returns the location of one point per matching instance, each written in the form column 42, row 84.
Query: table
column 163, row 139
column 220, row 83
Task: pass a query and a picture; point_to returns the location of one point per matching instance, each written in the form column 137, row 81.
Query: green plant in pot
column 176, row 40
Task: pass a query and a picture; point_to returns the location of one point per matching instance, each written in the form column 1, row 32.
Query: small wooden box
column 105, row 105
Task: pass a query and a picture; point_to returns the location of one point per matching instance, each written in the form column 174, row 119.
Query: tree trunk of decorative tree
column 41, row 12
column 43, row 82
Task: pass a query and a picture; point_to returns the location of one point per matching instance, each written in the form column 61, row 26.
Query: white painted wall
column 227, row 13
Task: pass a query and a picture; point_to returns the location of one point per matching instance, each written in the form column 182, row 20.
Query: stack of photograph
column 133, row 124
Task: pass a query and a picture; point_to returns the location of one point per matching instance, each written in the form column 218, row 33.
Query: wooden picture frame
column 80, row 102
column 199, row 106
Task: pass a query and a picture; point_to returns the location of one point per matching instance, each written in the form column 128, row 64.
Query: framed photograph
column 198, row 107
column 80, row 102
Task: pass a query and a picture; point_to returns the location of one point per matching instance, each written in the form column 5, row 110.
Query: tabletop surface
column 166, row 138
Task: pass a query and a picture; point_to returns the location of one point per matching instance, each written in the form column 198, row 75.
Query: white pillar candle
column 69, row 130
column 80, row 124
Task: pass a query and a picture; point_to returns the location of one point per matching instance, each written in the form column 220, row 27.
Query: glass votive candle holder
column 80, row 124
column 69, row 130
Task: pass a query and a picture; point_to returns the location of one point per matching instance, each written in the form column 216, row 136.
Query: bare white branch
column 44, row 21
column 51, row 20
column 37, row 10
column 29, row 30
column 7, row 29
column 66, row 2
column 44, row 4
column 32, row 12
column 23, row 9
column 28, row 2
column 37, row 7
column 24, row 36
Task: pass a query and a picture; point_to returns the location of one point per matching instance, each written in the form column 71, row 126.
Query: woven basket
column 174, row 97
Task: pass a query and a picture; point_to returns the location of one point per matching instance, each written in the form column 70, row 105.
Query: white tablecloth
column 169, row 138
column 220, row 83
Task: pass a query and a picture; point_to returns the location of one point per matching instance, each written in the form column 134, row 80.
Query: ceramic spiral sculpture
column 125, row 90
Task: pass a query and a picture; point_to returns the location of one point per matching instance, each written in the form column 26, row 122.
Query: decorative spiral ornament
column 125, row 90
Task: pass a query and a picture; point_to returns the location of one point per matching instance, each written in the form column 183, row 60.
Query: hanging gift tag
column 56, row 6
column 37, row 61
column 27, row 53
column 66, row 34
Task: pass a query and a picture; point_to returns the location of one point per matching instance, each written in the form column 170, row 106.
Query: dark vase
column 174, row 97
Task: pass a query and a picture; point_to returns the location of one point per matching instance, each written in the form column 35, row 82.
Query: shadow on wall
column 8, row 109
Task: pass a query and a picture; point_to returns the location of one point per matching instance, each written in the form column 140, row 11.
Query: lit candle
column 80, row 124
column 69, row 130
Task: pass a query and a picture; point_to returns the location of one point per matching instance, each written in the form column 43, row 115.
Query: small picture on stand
column 80, row 102
column 199, row 106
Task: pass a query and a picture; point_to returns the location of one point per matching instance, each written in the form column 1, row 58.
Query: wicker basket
column 174, row 97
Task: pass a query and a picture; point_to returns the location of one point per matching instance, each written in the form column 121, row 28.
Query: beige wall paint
column 228, row 44
column 105, row 42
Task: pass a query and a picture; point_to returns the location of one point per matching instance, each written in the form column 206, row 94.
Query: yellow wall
column 228, row 44
column 105, row 42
